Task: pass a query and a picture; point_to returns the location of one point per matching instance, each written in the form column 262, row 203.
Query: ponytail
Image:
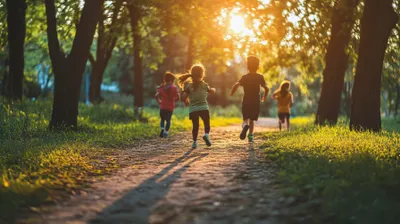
column 196, row 74
column 183, row 78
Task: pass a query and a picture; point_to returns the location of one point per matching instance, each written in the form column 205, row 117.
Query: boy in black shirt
column 251, row 83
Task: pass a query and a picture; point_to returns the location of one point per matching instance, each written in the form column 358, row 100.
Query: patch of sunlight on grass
column 36, row 162
column 355, row 174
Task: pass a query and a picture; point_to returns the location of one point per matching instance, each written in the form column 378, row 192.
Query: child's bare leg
column 288, row 123
column 245, row 128
column 251, row 128
column 245, row 122
column 280, row 125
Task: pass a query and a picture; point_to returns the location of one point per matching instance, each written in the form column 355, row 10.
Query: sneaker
column 165, row 134
column 250, row 137
column 162, row 133
column 244, row 132
column 194, row 145
column 206, row 138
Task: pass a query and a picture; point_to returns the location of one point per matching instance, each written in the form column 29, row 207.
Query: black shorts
column 283, row 117
column 204, row 114
column 251, row 111
column 165, row 114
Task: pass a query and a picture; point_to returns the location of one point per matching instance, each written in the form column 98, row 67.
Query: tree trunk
column 336, row 62
column 106, row 42
column 5, row 64
column 58, row 64
column 16, row 39
column 389, row 103
column 223, row 95
column 170, row 44
column 396, row 105
column 189, row 58
column 377, row 23
column 96, row 78
column 68, row 70
column 167, row 43
column 134, row 12
column 347, row 93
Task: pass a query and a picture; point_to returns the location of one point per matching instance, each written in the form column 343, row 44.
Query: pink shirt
column 168, row 94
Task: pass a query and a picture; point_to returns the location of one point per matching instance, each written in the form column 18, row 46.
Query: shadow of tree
column 135, row 206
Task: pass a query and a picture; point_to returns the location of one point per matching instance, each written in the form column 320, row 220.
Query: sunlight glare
column 265, row 2
column 294, row 19
column 237, row 24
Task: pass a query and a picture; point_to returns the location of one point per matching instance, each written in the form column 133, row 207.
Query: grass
column 37, row 165
column 338, row 175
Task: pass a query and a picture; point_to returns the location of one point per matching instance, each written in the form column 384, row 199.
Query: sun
column 237, row 24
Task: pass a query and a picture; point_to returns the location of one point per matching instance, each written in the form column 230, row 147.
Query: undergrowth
column 337, row 175
column 38, row 165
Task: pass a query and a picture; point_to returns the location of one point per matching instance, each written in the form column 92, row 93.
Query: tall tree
column 190, row 52
column 135, row 17
column 68, row 68
column 377, row 22
column 16, row 39
column 397, row 103
column 107, row 36
column 336, row 58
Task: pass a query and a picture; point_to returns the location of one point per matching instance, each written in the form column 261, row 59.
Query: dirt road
column 167, row 182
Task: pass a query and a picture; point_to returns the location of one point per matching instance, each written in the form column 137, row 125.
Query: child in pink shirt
column 167, row 94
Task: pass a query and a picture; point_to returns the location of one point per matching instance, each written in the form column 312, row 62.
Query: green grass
column 38, row 165
column 338, row 175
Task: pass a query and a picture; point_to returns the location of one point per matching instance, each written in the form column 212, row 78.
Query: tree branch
column 86, row 28
column 53, row 42
column 91, row 59
column 113, row 37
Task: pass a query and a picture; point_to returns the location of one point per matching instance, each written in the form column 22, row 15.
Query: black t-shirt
column 251, row 83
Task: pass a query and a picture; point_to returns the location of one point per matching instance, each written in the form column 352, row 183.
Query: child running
column 195, row 94
column 251, row 83
column 285, row 101
column 166, row 96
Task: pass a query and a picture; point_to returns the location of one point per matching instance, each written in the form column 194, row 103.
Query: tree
column 107, row 36
column 135, row 17
column 68, row 69
column 377, row 22
column 16, row 38
column 336, row 62
column 190, row 52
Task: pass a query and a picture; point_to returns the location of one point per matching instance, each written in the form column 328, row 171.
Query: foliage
column 341, row 176
column 37, row 165
column 290, row 37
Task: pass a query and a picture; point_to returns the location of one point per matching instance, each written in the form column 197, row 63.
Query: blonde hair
column 196, row 73
column 283, row 84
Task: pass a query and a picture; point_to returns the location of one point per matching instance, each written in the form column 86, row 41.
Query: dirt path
column 167, row 182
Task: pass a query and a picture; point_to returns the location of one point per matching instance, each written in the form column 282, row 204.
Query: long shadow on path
column 135, row 206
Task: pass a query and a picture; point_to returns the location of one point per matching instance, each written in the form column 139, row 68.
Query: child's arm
column 177, row 97
column 291, row 100
column 211, row 90
column 234, row 88
column 266, row 90
column 185, row 96
column 275, row 96
column 157, row 96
